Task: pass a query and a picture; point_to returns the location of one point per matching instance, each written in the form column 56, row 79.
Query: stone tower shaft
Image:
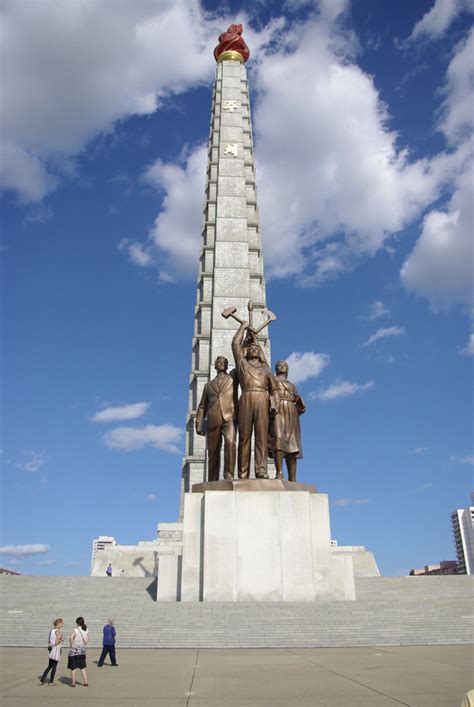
column 231, row 262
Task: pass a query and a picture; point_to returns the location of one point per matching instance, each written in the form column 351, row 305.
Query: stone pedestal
column 261, row 545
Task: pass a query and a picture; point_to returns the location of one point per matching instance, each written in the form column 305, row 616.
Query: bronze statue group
column 268, row 409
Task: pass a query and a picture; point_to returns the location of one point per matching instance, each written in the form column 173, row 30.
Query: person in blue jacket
column 108, row 644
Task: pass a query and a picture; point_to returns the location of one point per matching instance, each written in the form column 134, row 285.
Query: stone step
column 387, row 611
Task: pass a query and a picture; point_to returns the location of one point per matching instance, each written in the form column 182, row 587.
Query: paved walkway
column 418, row 676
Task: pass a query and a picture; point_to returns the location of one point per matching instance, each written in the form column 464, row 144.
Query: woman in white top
column 54, row 647
column 78, row 641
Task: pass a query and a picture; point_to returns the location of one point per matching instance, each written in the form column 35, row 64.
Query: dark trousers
column 52, row 665
column 111, row 651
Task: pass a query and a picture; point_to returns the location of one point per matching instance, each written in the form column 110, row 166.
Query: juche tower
column 231, row 262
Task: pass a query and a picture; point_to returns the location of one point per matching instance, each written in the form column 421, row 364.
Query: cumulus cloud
column 151, row 497
column 439, row 18
column 63, row 84
column 34, row 462
column 330, row 128
column 468, row 459
column 382, row 333
column 457, row 118
column 127, row 439
column 344, row 502
column 173, row 242
column 67, row 77
column 139, row 254
column 468, row 349
column 341, row 389
column 34, row 549
column 176, row 231
column 306, row 365
column 367, row 187
column 440, row 267
column 418, row 450
column 122, row 412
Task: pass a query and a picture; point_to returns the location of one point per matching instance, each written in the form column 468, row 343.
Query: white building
column 462, row 521
column 103, row 542
column 139, row 560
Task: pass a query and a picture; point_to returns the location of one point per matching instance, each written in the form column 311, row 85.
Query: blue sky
column 362, row 119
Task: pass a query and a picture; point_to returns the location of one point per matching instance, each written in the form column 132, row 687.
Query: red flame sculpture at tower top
column 232, row 41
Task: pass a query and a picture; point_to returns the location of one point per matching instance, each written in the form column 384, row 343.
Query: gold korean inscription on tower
column 231, row 149
column 230, row 106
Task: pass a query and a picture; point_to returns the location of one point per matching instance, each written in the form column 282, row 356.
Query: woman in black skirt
column 78, row 641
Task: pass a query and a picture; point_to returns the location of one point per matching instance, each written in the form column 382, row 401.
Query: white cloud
column 34, row 549
column 151, row 497
column 341, row 389
column 24, row 173
column 468, row 349
column 440, row 267
column 418, row 450
column 126, row 439
column 139, row 254
column 439, row 18
column 46, row 563
column 367, row 188
column 63, row 84
column 174, row 239
column 122, row 412
column 457, row 116
column 343, row 502
column 377, row 310
column 382, row 333
column 468, row 459
column 176, row 231
column 306, row 365
column 36, row 461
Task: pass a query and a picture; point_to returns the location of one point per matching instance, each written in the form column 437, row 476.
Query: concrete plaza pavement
column 417, row 676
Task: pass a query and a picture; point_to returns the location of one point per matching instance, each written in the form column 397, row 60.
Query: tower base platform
column 256, row 545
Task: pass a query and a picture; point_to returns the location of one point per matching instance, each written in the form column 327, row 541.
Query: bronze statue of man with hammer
column 256, row 383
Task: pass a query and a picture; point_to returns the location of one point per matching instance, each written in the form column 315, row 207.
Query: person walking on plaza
column 108, row 644
column 54, row 647
column 108, row 571
column 78, row 641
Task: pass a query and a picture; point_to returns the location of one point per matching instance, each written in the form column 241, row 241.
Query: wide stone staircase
column 387, row 611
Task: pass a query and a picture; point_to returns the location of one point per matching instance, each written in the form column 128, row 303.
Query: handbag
column 77, row 650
